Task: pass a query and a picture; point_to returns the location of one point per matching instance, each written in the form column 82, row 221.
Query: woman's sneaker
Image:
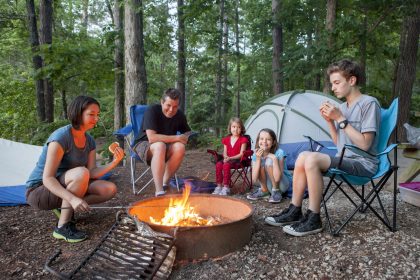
column 257, row 195
column 310, row 224
column 275, row 197
column 225, row 191
column 69, row 233
column 290, row 215
column 217, row 190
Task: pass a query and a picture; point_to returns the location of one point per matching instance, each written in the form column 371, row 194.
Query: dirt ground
column 365, row 249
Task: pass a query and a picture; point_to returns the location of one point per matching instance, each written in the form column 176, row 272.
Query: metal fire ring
column 203, row 242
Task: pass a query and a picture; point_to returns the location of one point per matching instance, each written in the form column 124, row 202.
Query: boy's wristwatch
column 343, row 124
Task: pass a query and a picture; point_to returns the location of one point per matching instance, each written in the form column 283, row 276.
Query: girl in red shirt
column 234, row 146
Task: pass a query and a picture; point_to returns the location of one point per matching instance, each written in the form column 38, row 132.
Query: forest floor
column 365, row 249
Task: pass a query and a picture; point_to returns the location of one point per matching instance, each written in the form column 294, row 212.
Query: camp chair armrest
column 388, row 149
column 191, row 134
column 246, row 155
column 124, row 131
column 313, row 143
column 216, row 155
column 358, row 151
column 313, row 140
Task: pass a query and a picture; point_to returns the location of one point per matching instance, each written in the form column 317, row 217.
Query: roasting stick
column 119, row 207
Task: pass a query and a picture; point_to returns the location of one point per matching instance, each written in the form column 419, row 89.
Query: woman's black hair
column 76, row 108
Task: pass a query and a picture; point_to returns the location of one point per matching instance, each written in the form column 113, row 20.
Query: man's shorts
column 351, row 166
column 142, row 148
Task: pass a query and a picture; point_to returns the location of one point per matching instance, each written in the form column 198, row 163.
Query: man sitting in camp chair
column 355, row 122
column 158, row 143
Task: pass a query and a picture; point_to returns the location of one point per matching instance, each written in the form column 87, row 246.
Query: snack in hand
column 113, row 146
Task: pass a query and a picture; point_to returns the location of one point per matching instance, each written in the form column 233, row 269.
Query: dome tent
column 291, row 115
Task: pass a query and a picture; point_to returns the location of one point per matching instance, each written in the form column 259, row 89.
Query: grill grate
column 123, row 253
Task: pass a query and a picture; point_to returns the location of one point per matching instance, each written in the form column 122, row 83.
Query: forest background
column 226, row 57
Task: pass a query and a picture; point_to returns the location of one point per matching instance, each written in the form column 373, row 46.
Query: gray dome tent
column 291, row 115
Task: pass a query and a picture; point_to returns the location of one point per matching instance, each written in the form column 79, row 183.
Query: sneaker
column 275, row 197
column 225, row 191
column 290, row 215
column 217, row 190
column 310, row 224
column 257, row 195
column 160, row 193
column 69, row 233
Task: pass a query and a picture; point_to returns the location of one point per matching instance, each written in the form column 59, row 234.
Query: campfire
column 203, row 225
column 180, row 213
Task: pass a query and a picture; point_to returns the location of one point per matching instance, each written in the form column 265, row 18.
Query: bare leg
column 274, row 184
column 315, row 164
column 76, row 181
column 157, row 152
column 263, row 179
column 299, row 179
column 100, row 191
column 175, row 156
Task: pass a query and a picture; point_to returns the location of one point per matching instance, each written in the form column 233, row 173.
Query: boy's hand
column 330, row 112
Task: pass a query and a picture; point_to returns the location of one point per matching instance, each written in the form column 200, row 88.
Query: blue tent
column 16, row 163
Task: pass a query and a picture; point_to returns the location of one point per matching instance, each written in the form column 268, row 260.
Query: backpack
column 197, row 185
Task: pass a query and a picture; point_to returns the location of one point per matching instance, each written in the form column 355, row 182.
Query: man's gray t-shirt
column 364, row 115
column 73, row 156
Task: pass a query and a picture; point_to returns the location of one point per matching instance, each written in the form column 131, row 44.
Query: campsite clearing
column 365, row 249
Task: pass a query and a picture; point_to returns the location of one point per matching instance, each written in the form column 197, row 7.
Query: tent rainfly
column 291, row 115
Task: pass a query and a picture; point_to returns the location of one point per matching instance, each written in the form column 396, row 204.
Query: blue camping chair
column 130, row 133
column 385, row 170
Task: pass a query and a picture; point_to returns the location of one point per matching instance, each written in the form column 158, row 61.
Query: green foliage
column 44, row 130
column 80, row 60
column 209, row 141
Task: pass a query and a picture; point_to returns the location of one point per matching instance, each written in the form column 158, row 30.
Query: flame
column 180, row 213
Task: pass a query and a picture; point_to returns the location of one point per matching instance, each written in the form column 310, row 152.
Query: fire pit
column 230, row 233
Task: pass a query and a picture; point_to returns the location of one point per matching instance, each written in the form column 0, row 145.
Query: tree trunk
column 225, row 65
column 135, row 70
column 64, row 103
column 46, row 16
column 219, row 69
column 238, row 62
column 181, row 55
column 330, row 25
column 406, row 69
column 118, row 66
column 363, row 42
column 36, row 59
column 110, row 11
column 85, row 16
column 277, row 48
